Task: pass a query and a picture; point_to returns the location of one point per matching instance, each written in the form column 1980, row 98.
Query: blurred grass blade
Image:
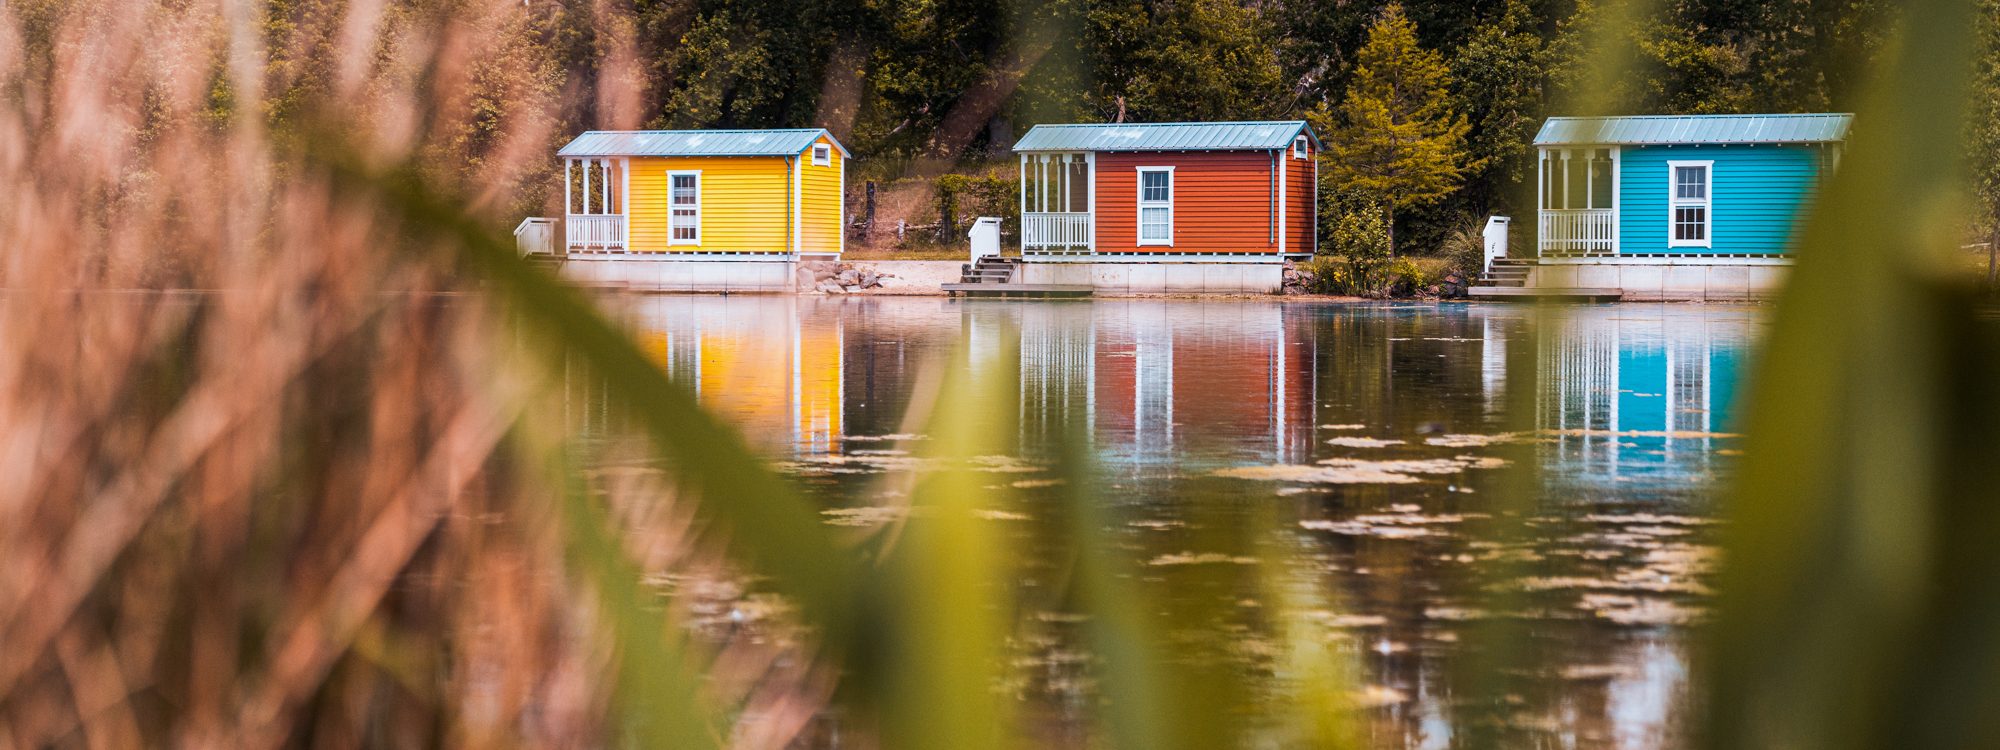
column 767, row 526
column 1841, row 534
column 953, row 602
column 658, row 690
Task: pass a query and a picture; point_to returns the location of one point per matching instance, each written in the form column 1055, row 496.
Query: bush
column 1464, row 250
column 989, row 194
column 1362, row 237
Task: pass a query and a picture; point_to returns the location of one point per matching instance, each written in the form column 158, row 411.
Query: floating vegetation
column 1639, row 610
column 1362, row 442
column 1420, row 465
column 1377, row 696
column 1343, row 426
column 1403, row 522
column 895, row 438
column 1156, row 524
column 1001, row 515
column 1001, row 464
column 1458, row 440
column 1030, row 484
column 1648, row 518
column 1204, row 558
column 867, row 515
column 1346, row 621
column 1455, row 614
column 1316, row 474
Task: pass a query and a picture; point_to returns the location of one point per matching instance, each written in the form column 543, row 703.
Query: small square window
column 822, row 155
column 1299, row 147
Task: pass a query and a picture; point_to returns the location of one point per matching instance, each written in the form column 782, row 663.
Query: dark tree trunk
column 1389, row 221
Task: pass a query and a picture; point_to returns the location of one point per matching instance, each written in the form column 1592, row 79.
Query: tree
column 1184, row 60
column 1983, row 136
column 1397, row 136
column 1501, row 74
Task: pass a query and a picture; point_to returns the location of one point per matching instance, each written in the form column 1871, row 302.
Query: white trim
column 671, row 207
column 1284, row 197
column 1090, row 197
column 840, row 231
column 822, row 154
column 1617, row 199
column 1140, row 204
column 1706, row 203
column 797, row 167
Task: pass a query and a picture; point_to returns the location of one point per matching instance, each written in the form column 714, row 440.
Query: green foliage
column 1181, row 61
column 1464, row 249
column 1501, row 75
column 1397, row 135
column 994, row 193
column 1362, row 233
column 1983, row 125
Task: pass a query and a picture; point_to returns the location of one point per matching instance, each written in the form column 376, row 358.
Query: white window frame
column 1299, row 147
column 822, row 155
column 671, row 207
column 1139, row 213
column 1706, row 203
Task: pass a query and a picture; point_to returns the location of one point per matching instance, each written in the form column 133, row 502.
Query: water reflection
column 1628, row 409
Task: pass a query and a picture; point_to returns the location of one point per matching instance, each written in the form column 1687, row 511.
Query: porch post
column 1024, row 203
column 586, row 186
column 1090, row 196
column 566, row 204
column 1617, row 210
column 1541, row 199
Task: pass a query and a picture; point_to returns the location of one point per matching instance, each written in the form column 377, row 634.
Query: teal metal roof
column 1651, row 130
column 1170, row 136
column 786, row 142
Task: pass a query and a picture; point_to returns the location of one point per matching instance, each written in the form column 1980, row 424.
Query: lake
column 1502, row 513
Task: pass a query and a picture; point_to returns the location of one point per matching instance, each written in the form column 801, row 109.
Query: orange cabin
column 1208, row 188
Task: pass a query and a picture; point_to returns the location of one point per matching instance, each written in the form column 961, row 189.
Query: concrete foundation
column 1667, row 279
column 1202, row 277
column 684, row 275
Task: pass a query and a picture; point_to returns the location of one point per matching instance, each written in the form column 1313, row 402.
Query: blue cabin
column 1682, row 186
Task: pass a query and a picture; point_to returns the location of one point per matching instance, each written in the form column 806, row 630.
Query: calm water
column 1358, row 445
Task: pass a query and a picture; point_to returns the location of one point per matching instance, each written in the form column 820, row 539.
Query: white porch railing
column 595, row 233
column 1052, row 232
column 1579, row 231
column 535, row 235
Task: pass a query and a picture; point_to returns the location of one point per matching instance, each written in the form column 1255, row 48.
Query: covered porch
column 1058, row 203
column 596, row 204
column 1578, row 200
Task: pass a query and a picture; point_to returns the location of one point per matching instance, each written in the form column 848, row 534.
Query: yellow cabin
column 705, row 194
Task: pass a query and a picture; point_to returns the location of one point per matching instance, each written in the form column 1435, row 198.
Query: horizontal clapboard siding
column 744, row 204
column 1760, row 193
column 821, row 203
column 1222, row 201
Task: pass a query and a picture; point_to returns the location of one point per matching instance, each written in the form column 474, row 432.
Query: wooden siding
column 822, row 212
column 1222, row 201
column 744, row 204
column 1759, row 194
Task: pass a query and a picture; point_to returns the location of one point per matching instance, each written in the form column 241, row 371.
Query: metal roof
column 1169, row 136
column 1647, row 130
column 785, row 142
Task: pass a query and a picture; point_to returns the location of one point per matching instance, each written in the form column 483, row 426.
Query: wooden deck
column 1011, row 289
column 1545, row 294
